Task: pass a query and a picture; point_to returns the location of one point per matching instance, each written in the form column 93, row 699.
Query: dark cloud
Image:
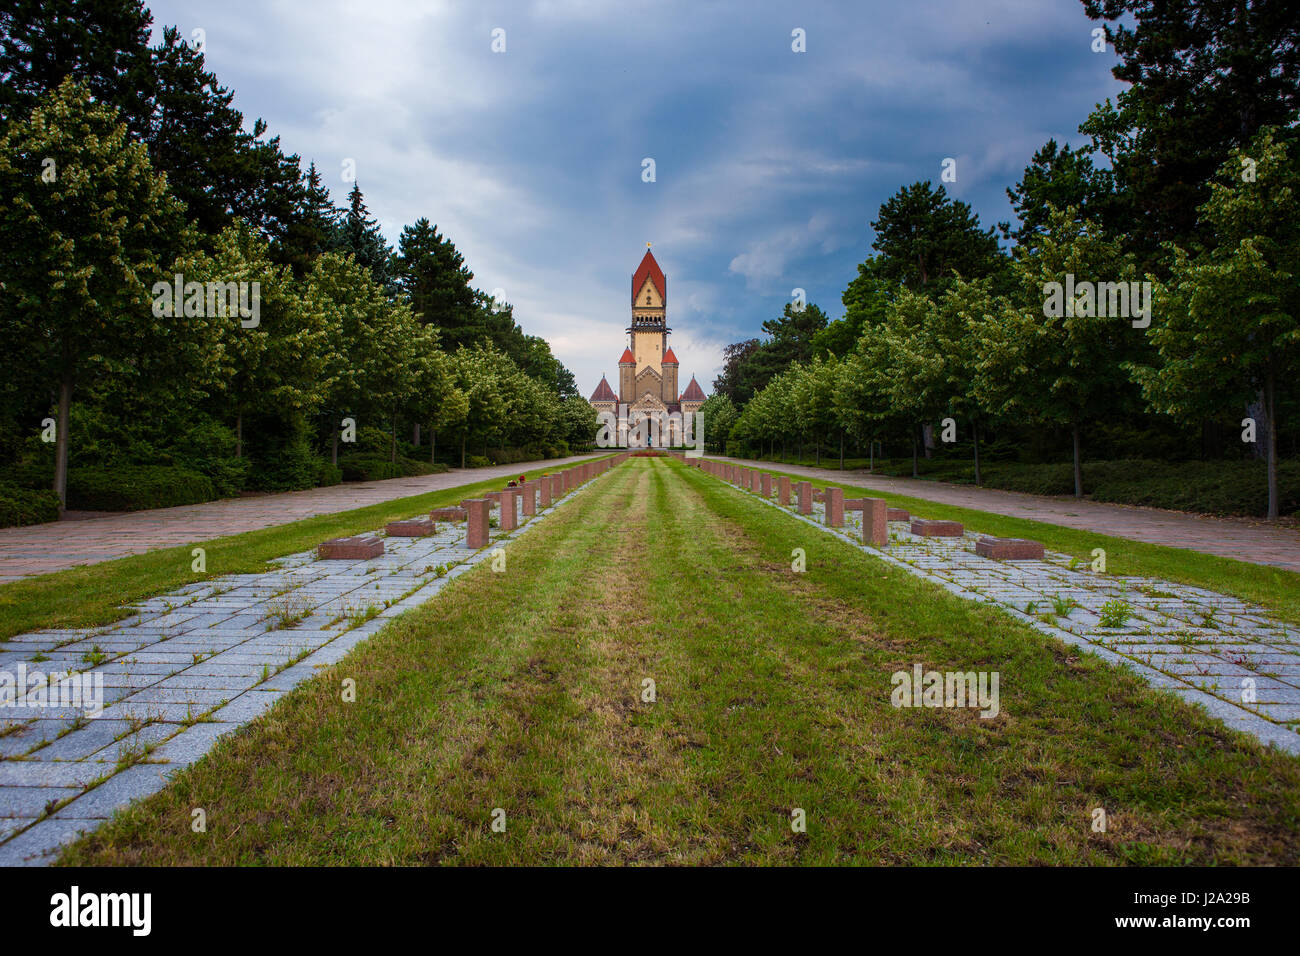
column 770, row 164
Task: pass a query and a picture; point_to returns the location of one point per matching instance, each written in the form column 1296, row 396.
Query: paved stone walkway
column 1260, row 544
column 42, row 548
column 1227, row 655
column 188, row 668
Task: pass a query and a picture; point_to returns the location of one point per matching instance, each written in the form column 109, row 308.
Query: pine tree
column 1206, row 77
column 926, row 239
column 103, row 44
column 432, row 272
column 359, row 235
column 315, row 227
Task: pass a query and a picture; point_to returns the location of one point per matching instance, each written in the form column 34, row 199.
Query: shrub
column 476, row 461
column 327, row 473
column 136, row 487
column 368, row 468
column 26, row 506
column 374, row 468
column 287, row 467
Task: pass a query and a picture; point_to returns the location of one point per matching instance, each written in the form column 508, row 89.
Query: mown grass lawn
column 1274, row 588
column 96, row 594
column 522, row 692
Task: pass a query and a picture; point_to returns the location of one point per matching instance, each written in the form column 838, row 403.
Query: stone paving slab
column 1213, row 649
column 189, row 667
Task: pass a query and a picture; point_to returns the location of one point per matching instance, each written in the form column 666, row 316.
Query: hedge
column 1205, row 487
column 26, row 506
column 369, row 468
column 136, row 487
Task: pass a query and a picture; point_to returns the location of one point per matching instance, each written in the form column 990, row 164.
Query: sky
column 769, row 164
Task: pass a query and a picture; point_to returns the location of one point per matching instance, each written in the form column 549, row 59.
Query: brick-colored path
column 1279, row 547
column 42, row 548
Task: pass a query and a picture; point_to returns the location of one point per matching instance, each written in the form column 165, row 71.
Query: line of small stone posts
column 875, row 511
column 526, row 499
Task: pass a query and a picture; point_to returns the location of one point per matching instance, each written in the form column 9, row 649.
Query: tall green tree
column 277, row 362
column 1205, row 77
column 1063, row 366
column 1229, row 326
column 925, row 239
column 360, row 237
column 85, row 223
column 432, row 272
column 313, row 229
column 103, row 43
column 1058, row 177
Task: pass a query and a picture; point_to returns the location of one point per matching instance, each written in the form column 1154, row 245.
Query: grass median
column 521, row 699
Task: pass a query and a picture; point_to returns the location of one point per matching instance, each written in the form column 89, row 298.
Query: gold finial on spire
column 647, row 245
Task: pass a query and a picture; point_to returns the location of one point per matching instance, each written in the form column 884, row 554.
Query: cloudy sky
column 769, row 164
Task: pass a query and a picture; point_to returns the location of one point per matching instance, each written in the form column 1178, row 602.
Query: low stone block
column 898, row 514
column 1009, row 549
column 929, row 528
column 834, row 507
column 448, row 514
column 805, row 497
column 509, row 511
column 412, row 528
column 783, row 491
column 765, row 481
column 544, row 487
column 875, row 529
column 476, row 532
column 360, row 547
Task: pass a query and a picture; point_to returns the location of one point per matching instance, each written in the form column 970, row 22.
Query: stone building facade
column 647, row 370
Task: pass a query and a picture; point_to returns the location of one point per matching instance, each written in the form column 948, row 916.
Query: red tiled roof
column 628, row 358
column 670, row 358
column 693, row 392
column 603, row 392
column 649, row 267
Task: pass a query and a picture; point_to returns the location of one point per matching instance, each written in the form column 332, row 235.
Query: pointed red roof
column 649, row 267
column 693, row 392
column 670, row 358
column 628, row 358
column 603, row 392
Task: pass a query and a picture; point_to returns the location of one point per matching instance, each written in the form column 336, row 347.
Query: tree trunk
column 61, row 441
column 463, row 439
column 841, row 449
column 415, row 434
column 1078, row 464
column 334, row 449
column 392, row 455
column 239, row 434
column 975, row 430
column 914, row 474
column 1271, row 438
column 871, row 450
column 433, row 446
